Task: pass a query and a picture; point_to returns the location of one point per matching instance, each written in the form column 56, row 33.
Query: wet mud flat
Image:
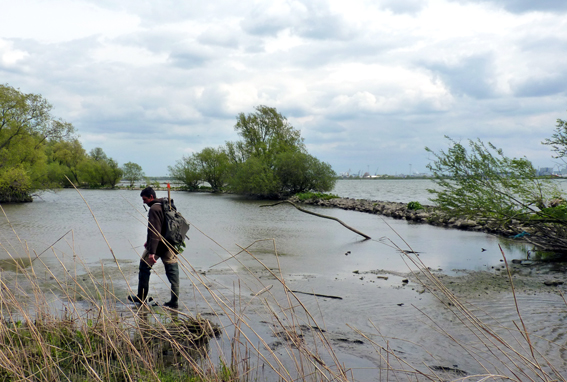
column 375, row 317
column 373, row 320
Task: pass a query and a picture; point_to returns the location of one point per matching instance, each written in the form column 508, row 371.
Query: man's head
column 148, row 194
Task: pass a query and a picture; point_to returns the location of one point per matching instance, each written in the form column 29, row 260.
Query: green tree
column 482, row 182
column 26, row 126
column 255, row 177
column 299, row 172
column 213, row 166
column 187, row 171
column 132, row 172
column 99, row 170
column 271, row 159
column 68, row 155
column 558, row 140
column 266, row 133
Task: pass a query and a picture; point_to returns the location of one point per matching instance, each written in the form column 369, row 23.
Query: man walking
column 155, row 249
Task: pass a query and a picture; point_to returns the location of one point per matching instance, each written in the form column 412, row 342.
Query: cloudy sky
column 368, row 83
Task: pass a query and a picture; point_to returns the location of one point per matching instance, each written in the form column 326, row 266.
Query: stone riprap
column 428, row 215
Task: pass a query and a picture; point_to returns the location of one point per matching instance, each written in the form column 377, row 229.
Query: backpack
column 175, row 225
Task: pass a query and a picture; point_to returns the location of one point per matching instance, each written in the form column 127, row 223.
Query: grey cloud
column 190, row 57
column 471, row 77
column 310, row 20
column 212, row 103
column 154, row 41
column 319, row 23
column 539, row 87
column 538, row 45
column 523, row 6
column 315, row 54
column 321, row 130
column 153, row 13
column 548, row 71
column 403, row 6
column 259, row 23
column 219, row 37
column 324, row 27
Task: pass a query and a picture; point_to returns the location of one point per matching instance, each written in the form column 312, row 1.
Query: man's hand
column 151, row 259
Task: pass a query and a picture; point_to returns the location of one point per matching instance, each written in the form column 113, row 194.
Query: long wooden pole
column 169, row 195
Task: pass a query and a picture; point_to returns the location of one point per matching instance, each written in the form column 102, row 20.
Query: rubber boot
column 172, row 273
column 143, row 284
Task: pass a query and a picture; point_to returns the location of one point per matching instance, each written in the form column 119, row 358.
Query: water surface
column 314, row 255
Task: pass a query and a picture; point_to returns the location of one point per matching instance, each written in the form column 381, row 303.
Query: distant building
column 545, row 171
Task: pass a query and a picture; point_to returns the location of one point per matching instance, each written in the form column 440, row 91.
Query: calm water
column 232, row 221
column 315, row 254
column 391, row 190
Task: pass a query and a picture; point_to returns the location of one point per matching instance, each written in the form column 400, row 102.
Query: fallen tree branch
column 366, row 237
column 318, row 295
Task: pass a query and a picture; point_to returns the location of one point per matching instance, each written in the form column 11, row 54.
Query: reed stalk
column 71, row 323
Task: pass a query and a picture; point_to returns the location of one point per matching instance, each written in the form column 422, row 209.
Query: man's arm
column 155, row 222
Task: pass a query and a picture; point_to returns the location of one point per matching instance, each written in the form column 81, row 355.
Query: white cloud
column 365, row 81
column 62, row 20
column 10, row 56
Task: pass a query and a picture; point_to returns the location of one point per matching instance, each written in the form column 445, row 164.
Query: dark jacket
column 156, row 218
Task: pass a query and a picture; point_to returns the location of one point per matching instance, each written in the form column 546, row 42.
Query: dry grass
column 74, row 325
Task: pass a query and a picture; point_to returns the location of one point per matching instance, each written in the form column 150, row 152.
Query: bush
column 415, row 206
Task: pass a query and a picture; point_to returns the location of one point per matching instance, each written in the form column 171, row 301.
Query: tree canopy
column 26, row 127
column 270, row 160
column 132, row 172
column 482, row 183
column 558, row 140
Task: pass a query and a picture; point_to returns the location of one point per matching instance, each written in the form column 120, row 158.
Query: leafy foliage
column 213, row 166
column 483, row 183
column 209, row 165
column 98, row 170
column 254, row 177
column 266, row 133
column 132, row 172
column 271, row 160
column 26, row 126
column 186, row 171
column 558, row 140
column 415, row 206
column 65, row 158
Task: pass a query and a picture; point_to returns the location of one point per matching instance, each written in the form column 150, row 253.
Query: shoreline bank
column 425, row 215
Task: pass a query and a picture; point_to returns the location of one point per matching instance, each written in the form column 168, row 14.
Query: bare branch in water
column 366, row 237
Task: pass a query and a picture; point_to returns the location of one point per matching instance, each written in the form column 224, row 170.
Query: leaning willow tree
column 481, row 183
column 271, row 159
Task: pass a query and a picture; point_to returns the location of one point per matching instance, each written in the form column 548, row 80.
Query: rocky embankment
column 427, row 214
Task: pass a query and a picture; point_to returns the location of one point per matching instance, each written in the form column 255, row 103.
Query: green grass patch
column 315, row 195
column 415, row 206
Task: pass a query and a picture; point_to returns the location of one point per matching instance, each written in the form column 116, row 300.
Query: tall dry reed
column 73, row 324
